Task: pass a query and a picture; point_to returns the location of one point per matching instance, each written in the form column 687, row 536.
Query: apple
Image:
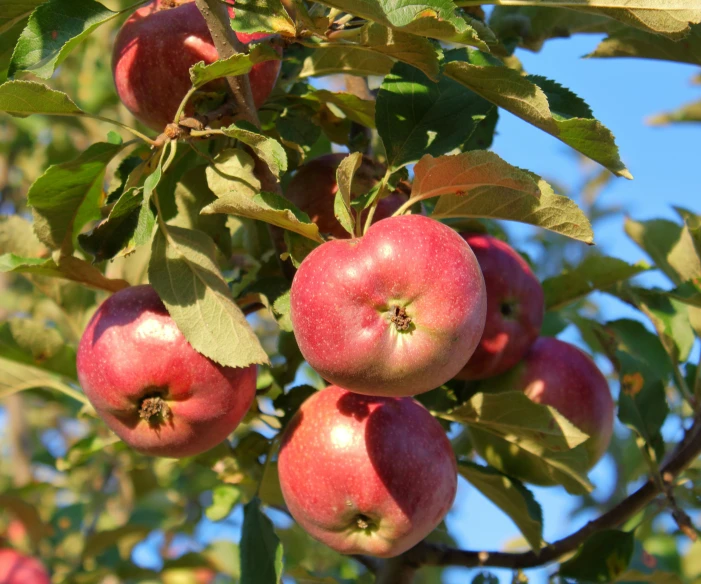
column 514, row 308
column 16, row 568
column 365, row 474
column 395, row 313
column 154, row 51
column 313, row 189
column 560, row 375
column 150, row 386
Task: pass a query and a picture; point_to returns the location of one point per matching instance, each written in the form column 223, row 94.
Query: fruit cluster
column 400, row 311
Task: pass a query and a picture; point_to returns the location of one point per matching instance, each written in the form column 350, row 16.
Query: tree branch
column 435, row 555
column 215, row 13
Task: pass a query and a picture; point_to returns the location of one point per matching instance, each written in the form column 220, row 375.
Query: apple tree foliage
column 92, row 203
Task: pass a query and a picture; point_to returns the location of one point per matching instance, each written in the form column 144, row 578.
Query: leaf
column 603, row 557
column 70, row 268
column 690, row 112
column 415, row 116
column 511, row 497
column 262, row 16
column 27, row 513
column 633, row 338
column 411, row 49
column 632, row 42
column 594, row 273
column 298, row 248
column 525, row 98
column 66, row 196
column 34, row 343
column 54, row 29
column 13, row 11
column 183, row 272
column 102, row 541
column 261, row 550
column 343, row 59
column 361, row 111
column 654, row 578
column 237, row 64
column 18, row 237
column 344, row 178
column 24, row 98
column 224, row 497
column 434, row 19
column 281, row 307
column 267, row 149
column 480, row 184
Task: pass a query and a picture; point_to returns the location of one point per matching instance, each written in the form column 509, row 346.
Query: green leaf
column 511, row 497
column 262, row 16
column 691, row 112
column 433, row 18
column 84, row 451
column 13, row 11
column 34, row 343
column 361, row 111
column 70, row 268
column 17, row 236
column 102, row 541
column 632, row 42
column 480, row 184
column 267, row 149
column 298, row 248
column 633, row 338
column 66, row 196
column 281, row 307
column 594, row 273
column 224, row 497
column 343, row 59
column 261, row 550
column 654, row 578
column 24, row 98
column 525, row 98
column 415, row 116
column 603, row 557
column 237, row 64
column 344, row 178
column 53, row 31
column 183, row 272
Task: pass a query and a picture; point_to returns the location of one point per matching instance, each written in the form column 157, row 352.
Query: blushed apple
column 395, row 313
column 16, row 568
column 560, row 375
column 154, row 51
column 514, row 308
column 150, row 386
column 364, row 474
column 313, row 189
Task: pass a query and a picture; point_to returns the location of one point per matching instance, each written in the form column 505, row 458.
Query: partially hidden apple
column 313, row 189
column 154, row 51
column 557, row 374
column 16, row 568
column 364, row 474
column 514, row 308
column 150, row 386
column 396, row 312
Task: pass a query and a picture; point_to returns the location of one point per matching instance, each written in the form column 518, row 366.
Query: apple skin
column 515, row 308
column 560, row 375
column 131, row 351
column 313, row 189
column 345, row 292
column 364, row 474
column 152, row 56
column 16, row 568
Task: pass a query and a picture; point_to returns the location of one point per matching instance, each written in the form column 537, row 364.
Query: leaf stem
column 407, row 205
column 124, row 127
column 183, row 104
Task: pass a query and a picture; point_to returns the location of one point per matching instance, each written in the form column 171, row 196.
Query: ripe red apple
column 514, row 308
column 154, row 51
column 150, row 386
column 16, row 568
column 560, row 375
column 394, row 313
column 364, row 474
column 313, row 189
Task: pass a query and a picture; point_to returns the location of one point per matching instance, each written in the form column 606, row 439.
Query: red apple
column 313, row 189
column 366, row 475
column 560, row 375
column 150, row 386
column 16, row 568
column 514, row 308
column 154, row 51
column 394, row 313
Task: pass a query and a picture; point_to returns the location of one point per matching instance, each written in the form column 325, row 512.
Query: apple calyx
column 154, row 410
column 365, row 524
column 508, row 309
column 399, row 317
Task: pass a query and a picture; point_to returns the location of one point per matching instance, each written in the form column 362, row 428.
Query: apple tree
column 261, row 309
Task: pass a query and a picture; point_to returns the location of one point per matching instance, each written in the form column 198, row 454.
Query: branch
column 435, row 555
column 215, row 13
